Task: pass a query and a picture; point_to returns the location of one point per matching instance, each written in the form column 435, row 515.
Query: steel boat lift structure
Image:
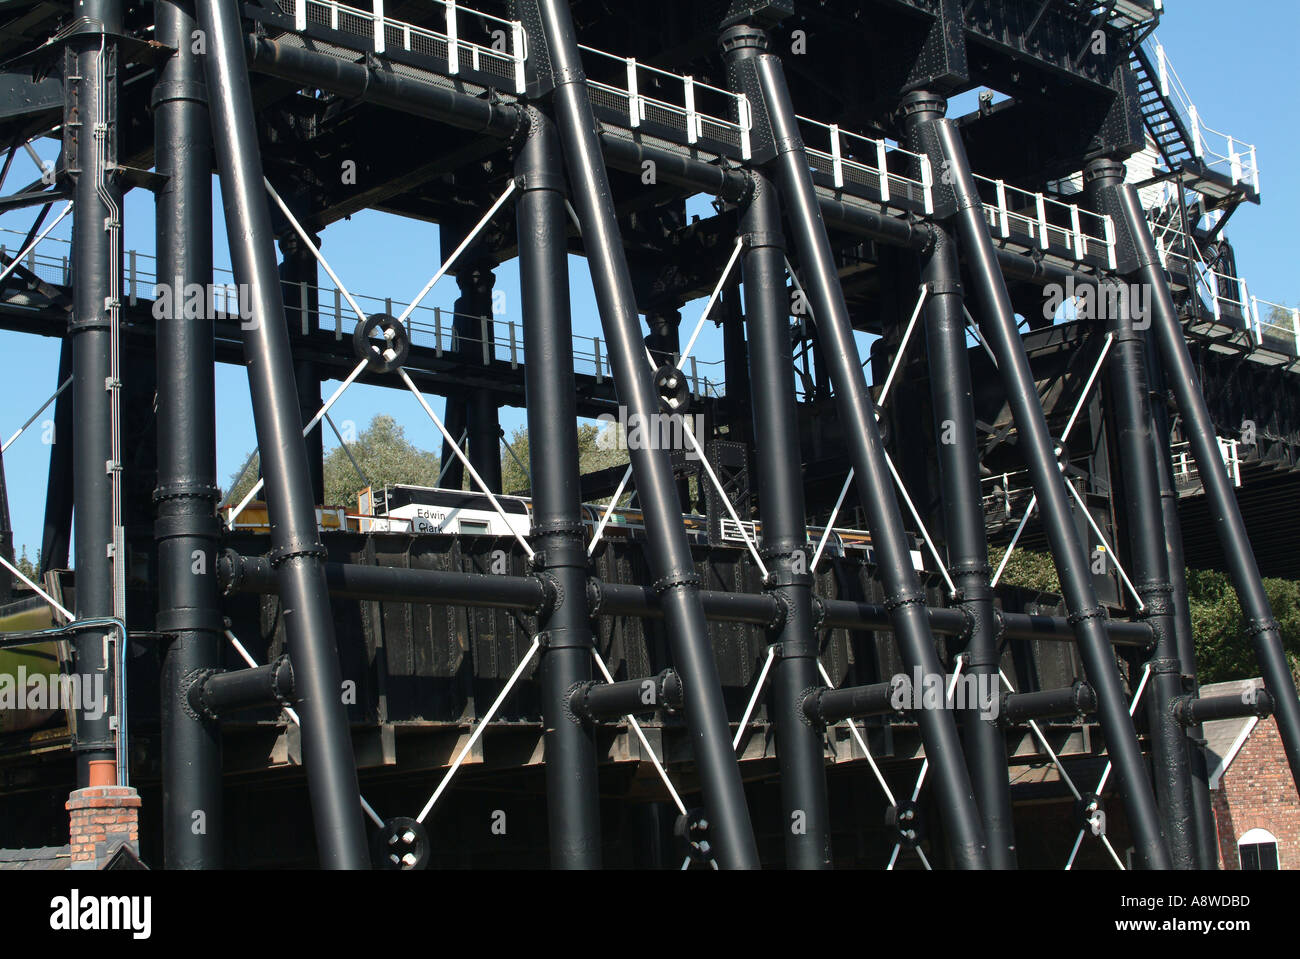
column 570, row 117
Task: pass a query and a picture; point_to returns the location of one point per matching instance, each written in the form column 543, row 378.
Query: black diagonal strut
column 1121, row 201
column 999, row 325
column 296, row 545
column 866, row 451
column 675, row 578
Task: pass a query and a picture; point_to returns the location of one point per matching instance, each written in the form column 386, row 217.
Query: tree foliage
column 594, row 453
column 1218, row 624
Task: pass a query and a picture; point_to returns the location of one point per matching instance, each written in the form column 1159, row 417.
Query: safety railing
column 1219, row 151
column 850, row 159
column 644, row 96
column 1043, row 221
column 469, row 40
column 489, row 339
column 1187, row 478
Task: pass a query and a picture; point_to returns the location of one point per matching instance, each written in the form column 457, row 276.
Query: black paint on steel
column 800, row 747
column 1194, row 712
column 1055, row 507
column 218, row 693
column 186, row 525
column 572, row 795
column 296, row 548
column 906, row 600
column 255, row 574
column 371, row 83
column 1262, row 628
column 1207, row 834
column 382, row 86
column 482, row 421
column 825, row 707
column 1067, row 701
column 963, row 523
column 669, row 555
column 600, row 701
column 93, row 94
column 1147, row 556
column 850, row 614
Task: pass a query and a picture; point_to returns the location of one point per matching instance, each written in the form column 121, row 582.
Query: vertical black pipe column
column 1207, row 841
column 949, row 153
column 92, row 134
column 296, row 550
column 483, row 417
column 58, row 485
column 187, row 493
column 302, row 312
column 1149, row 569
column 905, row 598
column 1121, row 201
column 963, row 523
column 799, row 745
column 675, row 578
column 572, row 798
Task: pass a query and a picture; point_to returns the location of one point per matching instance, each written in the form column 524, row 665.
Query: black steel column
column 1207, row 840
column 1149, row 569
column 1121, row 201
column 906, row 599
column 186, row 525
column 483, row 419
column 800, row 747
column 963, row 523
column 1055, row 508
column 668, row 552
column 96, row 251
column 572, row 797
column 296, row 547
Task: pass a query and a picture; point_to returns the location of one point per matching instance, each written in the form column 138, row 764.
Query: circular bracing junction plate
column 674, row 391
column 693, row 828
column 905, row 820
column 402, row 843
column 383, row 342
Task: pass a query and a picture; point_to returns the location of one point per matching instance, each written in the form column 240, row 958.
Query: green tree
column 594, row 453
column 382, row 452
column 1218, row 625
column 27, row 567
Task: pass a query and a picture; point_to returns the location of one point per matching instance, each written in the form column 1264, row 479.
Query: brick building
column 1256, row 810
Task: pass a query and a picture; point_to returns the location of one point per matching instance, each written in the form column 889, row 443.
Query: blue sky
column 1238, row 68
